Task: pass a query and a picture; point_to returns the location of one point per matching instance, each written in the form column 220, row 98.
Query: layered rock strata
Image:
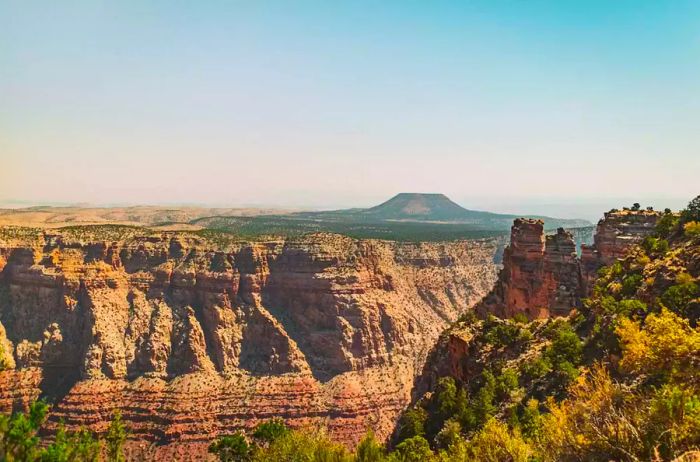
column 190, row 340
column 542, row 274
column 615, row 233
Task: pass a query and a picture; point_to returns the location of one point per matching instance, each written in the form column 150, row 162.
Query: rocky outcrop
column 191, row 338
column 542, row 274
column 616, row 232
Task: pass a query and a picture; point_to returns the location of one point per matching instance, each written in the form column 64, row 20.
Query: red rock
column 542, row 275
column 191, row 340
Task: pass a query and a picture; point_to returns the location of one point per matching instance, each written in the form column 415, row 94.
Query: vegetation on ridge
column 618, row 380
column 19, row 440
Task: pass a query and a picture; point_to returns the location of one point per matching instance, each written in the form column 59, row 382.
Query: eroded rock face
column 189, row 340
column 543, row 276
column 615, row 233
column 540, row 275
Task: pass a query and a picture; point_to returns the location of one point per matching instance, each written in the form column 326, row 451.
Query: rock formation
column 542, row 275
column 615, row 233
column 191, row 339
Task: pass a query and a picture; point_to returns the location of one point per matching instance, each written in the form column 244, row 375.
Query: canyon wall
column 190, row 339
column 542, row 274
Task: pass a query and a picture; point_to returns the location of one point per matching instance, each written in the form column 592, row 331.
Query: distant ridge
column 435, row 207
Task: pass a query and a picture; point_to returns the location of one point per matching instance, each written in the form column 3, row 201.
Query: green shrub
column 505, row 333
column 270, row 430
column 369, row 449
column 79, row 446
column 506, row 383
column 449, row 435
column 691, row 212
column 412, row 423
column 302, row 446
column 655, row 245
column 631, row 284
column 536, row 368
column 115, row 438
column 19, row 440
column 414, row 449
column 626, row 307
column 566, row 347
column 521, row 318
column 4, row 361
column 531, row 419
column 483, row 403
column 678, row 297
column 231, row 448
column 667, row 224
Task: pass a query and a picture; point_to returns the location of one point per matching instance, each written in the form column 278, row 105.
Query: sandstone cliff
column 542, row 274
column 190, row 338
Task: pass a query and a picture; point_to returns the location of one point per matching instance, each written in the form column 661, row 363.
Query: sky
column 514, row 106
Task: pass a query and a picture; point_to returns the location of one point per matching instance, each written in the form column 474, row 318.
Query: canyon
column 192, row 337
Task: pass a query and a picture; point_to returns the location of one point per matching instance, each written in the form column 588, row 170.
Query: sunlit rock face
column 191, row 340
column 542, row 274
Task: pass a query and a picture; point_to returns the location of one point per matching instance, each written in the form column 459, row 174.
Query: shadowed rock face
column 190, row 340
column 542, row 275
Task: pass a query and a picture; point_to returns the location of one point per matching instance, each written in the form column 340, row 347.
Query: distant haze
column 557, row 108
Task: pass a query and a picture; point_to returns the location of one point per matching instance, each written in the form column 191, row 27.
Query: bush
column 449, row 435
column 665, row 346
column 369, row 449
column 655, row 245
column 301, row 446
column 505, row 333
column 536, row 368
column 79, row 446
column 4, row 360
column 530, row 419
column 231, row 448
column 497, row 443
column 115, row 438
column 19, row 440
column 506, row 383
column 268, row 431
column 625, row 307
column 412, row 423
column 18, row 433
column 674, row 420
column 566, row 347
column 521, row 318
column 692, row 229
column 691, row 212
column 483, row 404
column 678, row 297
column 414, row 449
column 631, row 284
column 667, row 224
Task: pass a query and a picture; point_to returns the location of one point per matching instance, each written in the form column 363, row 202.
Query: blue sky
column 346, row 103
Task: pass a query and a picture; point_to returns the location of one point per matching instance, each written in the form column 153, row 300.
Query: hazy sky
column 335, row 103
